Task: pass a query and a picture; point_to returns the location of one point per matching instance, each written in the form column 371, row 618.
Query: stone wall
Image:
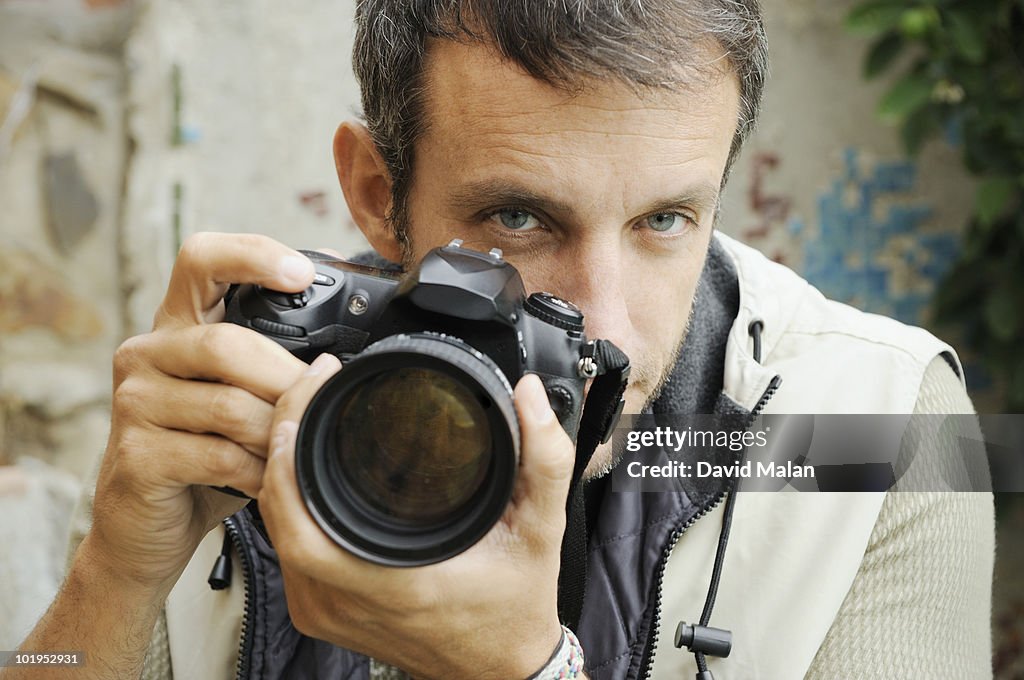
column 63, row 158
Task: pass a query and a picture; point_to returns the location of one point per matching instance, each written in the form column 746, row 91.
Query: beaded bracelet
column 566, row 663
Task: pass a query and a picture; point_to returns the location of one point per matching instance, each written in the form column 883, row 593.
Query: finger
column 546, row 459
column 332, row 252
column 160, row 458
column 203, row 408
column 208, row 262
column 292, row 404
column 297, row 539
column 296, row 536
column 224, row 353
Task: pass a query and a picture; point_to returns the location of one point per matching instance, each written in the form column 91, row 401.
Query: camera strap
column 601, row 412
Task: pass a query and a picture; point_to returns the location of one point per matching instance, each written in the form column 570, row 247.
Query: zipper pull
column 220, row 575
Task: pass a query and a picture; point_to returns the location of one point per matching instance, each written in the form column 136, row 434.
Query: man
column 590, row 142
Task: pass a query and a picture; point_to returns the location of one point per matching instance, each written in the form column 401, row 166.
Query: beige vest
column 791, row 557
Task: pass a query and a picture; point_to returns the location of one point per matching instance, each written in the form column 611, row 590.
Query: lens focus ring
column 391, row 462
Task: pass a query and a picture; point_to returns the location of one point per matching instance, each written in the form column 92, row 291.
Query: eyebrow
column 485, row 193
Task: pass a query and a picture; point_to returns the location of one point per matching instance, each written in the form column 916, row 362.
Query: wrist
column 100, row 613
column 533, row 652
column 566, row 661
column 95, row 568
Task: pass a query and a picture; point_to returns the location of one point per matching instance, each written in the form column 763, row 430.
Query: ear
column 366, row 183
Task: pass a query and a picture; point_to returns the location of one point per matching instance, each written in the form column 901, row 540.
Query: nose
column 592, row 275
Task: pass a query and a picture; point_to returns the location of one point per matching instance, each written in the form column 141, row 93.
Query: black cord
column 754, row 329
column 702, row 664
column 716, row 573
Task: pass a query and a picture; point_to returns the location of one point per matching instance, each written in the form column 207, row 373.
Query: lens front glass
column 413, row 444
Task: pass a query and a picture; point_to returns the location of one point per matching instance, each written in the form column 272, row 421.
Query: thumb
column 547, row 456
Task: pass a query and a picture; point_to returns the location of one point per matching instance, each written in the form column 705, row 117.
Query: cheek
column 659, row 302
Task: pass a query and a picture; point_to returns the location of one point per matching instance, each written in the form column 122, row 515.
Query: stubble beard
column 608, row 455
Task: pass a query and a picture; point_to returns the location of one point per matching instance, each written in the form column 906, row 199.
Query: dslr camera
column 409, row 454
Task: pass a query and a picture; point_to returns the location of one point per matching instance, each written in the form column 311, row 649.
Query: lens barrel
column 408, row 455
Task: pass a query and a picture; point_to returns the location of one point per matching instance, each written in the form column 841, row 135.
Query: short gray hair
column 641, row 43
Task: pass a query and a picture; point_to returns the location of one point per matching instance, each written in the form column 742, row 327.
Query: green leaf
column 905, row 97
column 968, row 37
column 1002, row 311
column 872, row 18
column 993, row 196
column 918, row 21
column 882, row 54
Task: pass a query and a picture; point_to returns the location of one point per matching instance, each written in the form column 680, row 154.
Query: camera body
column 455, row 292
column 410, row 453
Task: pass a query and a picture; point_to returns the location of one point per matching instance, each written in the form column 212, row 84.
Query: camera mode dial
column 555, row 311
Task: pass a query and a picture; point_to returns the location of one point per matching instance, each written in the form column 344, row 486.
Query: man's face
column 604, row 198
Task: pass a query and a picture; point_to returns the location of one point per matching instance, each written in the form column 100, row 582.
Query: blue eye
column 666, row 222
column 515, row 219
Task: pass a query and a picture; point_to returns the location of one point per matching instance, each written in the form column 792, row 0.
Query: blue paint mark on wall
column 870, row 225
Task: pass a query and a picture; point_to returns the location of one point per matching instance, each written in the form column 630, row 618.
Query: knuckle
column 223, row 460
column 130, row 456
column 192, row 248
column 129, row 395
column 230, row 410
column 127, row 357
column 219, row 341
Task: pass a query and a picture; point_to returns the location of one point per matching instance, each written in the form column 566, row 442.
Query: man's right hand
column 193, row 402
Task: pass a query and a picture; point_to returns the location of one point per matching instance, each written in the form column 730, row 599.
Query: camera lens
column 414, row 444
column 408, row 455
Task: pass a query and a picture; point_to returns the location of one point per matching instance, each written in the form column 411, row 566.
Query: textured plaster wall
column 63, row 156
column 260, row 90
column 62, row 159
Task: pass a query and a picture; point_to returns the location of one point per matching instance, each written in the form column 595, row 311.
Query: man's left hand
column 490, row 612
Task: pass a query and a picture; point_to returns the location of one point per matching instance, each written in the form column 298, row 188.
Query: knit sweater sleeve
column 920, row 605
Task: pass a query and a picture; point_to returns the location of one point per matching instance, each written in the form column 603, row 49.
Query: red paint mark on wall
column 99, row 4
column 315, row 201
column 772, row 210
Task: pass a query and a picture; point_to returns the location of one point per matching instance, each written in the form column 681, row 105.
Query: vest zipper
column 652, row 639
column 245, row 644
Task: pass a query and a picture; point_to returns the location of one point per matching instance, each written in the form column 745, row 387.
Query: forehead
column 481, row 108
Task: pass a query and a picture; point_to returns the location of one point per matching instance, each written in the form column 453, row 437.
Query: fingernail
column 319, row 364
column 296, row 268
column 537, row 401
